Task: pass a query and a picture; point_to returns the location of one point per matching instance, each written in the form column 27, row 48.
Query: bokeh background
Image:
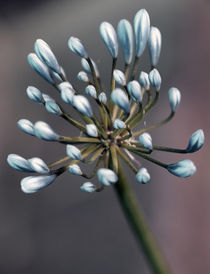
column 60, row 229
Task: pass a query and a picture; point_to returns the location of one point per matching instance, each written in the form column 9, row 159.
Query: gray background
column 61, row 229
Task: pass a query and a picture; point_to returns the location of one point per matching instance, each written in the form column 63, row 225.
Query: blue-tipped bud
column 141, row 30
column 26, row 126
column 45, row 132
column 91, row 130
column 174, row 97
column 125, row 36
column 91, row 91
column 77, row 47
column 196, row 141
column 19, row 163
column 82, row 76
column 87, row 68
column 47, row 98
column 38, row 165
column 67, row 92
column 75, row 169
column 53, row 108
column 145, row 140
column 119, row 77
column 155, row 79
column 64, row 85
column 82, row 105
column 109, row 37
column 143, row 176
column 144, row 80
column 154, row 44
column 102, row 97
column 33, row 184
column 73, row 152
column 88, row 187
column 183, row 169
column 107, row 176
column 118, row 124
column 134, row 90
column 120, row 98
column 39, row 67
column 44, row 52
column 35, row 94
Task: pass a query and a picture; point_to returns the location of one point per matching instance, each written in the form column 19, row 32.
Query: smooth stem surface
column 139, row 225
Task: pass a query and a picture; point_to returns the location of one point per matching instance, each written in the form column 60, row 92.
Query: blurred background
column 60, row 229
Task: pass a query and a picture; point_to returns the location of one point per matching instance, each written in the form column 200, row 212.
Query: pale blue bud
column 67, row 92
column 73, row 152
column 118, row 124
column 109, row 37
column 87, row 68
column 196, row 141
column 102, row 97
column 120, row 98
column 183, row 169
column 91, row 91
column 154, row 44
column 91, row 130
column 38, row 165
column 53, row 108
column 26, row 126
column 82, row 76
column 45, row 132
column 88, row 187
column 174, row 97
column 145, row 140
column 34, row 94
column 44, row 52
column 75, row 169
column 107, row 176
column 19, row 163
column 39, row 67
column 33, row 184
column 64, row 85
column 141, row 30
column 144, row 80
column 125, row 36
column 47, row 98
column 82, row 105
column 77, row 47
column 134, row 90
column 143, row 176
column 155, row 79
column 119, row 77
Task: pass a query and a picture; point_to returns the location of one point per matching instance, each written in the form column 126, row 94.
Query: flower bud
column 82, row 105
column 53, row 108
column 75, row 169
column 45, row 132
column 145, row 140
column 38, row 165
column 183, row 169
column 47, row 98
column 91, row 91
column 77, row 47
column 109, row 37
column 87, row 68
column 26, row 126
column 143, row 176
column 67, row 95
column 107, row 176
column 39, row 67
column 91, row 130
column 73, row 152
column 65, row 85
column 88, row 187
column 125, row 36
column 82, row 76
column 155, row 79
column 154, row 44
column 174, row 97
column 33, row 184
column 196, row 141
column 120, row 98
column 119, row 77
column 144, row 80
column 45, row 54
column 19, row 163
column 119, row 124
column 102, row 97
column 34, row 94
column 134, row 90
column 141, row 30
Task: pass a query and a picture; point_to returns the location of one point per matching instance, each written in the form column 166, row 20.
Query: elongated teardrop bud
column 38, row 165
column 77, row 47
column 154, row 44
column 75, row 169
column 134, row 90
column 119, row 77
column 82, row 76
column 35, row 94
column 53, row 108
column 45, row 132
column 196, row 141
column 119, row 97
column 19, row 163
column 174, row 97
column 109, row 37
column 155, row 79
column 91, row 130
column 183, row 169
column 102, row 97
column 107, row 176
column 33, row 184
column 26, row 126
column 145, row 140
column 73, row 152
column 91, row 91
column 82, row 104
column 144, row 80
